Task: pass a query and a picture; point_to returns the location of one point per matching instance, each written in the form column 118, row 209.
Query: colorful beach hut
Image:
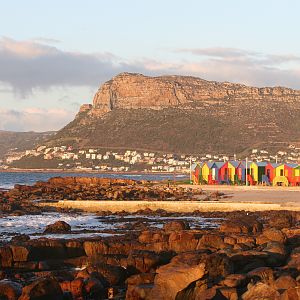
column 296, row 176
column 206, row 170
column 241, row 171
column 213, row 178
column 289, row 171
column 227, row 173
column 270, row 171
column 257, row 170
column 196, row 172
column 280, row 177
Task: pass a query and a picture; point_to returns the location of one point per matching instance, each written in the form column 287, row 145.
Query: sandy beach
column 236, row 198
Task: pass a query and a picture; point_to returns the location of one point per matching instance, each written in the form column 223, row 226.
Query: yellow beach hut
column 280, row 177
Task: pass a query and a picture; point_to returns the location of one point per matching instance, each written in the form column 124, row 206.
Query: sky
column 54, row 55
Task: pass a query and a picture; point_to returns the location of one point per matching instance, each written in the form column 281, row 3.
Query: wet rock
column 20, row 238
column 58, row 227
column 245, row 225
column 176, row 226
column 10, row 290
column 261, row 291
column 44, row 288
column 6, row 257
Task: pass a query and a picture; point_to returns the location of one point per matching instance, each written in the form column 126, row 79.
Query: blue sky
column 55, row 54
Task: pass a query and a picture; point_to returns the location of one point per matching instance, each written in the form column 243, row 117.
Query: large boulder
column 274, row 235
column 212, row 241
column 145, row 261
column 291, row 294
column 58, row 227
column 21, row 253
column 110, row 275
column 42, row 289
column 174, row 277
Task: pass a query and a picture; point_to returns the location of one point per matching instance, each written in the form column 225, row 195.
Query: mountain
column 20, row 141
column 185, row 114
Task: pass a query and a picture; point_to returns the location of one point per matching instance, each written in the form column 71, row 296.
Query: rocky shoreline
column 161, row 255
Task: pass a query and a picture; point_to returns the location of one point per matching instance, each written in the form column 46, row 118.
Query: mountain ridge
column 185, row 114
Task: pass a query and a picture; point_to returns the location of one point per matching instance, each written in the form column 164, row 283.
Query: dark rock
column 245, row 225
column 20, row 238
column 139, row 286
column 176, row 226
column 42, row 289
column 6, row 257
column 281, row 221
column 58, row 227
column 10, row 290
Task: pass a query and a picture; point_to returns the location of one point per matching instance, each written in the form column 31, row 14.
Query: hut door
column 281, row 172
column 268, row 173
column 213, row 173
column 239, row 173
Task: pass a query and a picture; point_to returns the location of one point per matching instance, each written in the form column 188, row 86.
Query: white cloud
column 34, row 119
column 27, row 65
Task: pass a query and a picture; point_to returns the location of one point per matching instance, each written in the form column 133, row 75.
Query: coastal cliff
column 134, row 91
column 184, row 114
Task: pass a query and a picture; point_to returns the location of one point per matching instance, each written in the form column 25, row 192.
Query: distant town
column 67, row 158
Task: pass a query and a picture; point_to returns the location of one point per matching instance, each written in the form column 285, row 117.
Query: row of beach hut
column 242, row 172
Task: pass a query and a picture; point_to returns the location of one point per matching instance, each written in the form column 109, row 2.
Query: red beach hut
column 270, row 171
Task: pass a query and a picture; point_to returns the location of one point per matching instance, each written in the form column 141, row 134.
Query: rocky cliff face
column 185, row 115
column 132, row 91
